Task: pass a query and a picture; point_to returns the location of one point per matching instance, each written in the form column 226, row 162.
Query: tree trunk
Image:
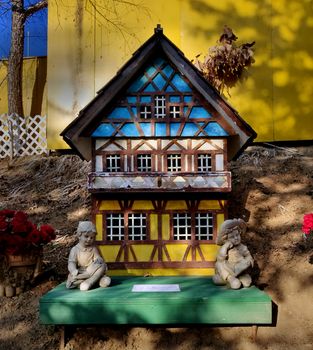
column 15, row 63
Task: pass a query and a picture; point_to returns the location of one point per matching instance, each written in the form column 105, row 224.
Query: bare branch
column 36, row 7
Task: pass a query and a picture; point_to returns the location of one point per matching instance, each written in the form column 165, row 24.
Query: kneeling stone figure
column 85, row 264
column 234, row 258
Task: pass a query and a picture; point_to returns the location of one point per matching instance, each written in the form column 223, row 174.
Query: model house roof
column 122, row 108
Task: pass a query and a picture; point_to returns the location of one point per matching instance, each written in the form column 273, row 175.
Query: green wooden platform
column 198, row 302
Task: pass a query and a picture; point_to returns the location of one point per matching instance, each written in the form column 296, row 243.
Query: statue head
column 86, row 232
column 229, row 227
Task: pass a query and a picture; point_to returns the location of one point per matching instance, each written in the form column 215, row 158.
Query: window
column 204, row 226
column 144, row 162
column 159, row 107
column 145, row 112
column 182, row 226
column 174, row 162
column 204, row 162
column 137, row 227
column 174, row 111
column 115, row 227
column 113, row 163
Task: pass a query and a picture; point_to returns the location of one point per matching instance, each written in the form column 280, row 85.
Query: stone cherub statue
column 234, row 258
column 85, row 264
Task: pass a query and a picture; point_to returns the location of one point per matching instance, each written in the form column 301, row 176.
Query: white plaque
column 156, row 288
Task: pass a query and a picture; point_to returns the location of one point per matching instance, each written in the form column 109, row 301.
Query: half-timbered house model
column 159, row 137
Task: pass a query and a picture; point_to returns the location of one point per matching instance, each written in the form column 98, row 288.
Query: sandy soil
column 273, row 188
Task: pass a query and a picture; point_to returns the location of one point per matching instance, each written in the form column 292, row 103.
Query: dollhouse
column 159, row 137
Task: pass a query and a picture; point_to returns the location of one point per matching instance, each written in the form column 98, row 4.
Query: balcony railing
column 158, row 182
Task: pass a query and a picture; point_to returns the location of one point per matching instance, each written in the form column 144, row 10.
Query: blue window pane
column 185, row 111
column 134, row 110
column 190, row 129
column 149, row 88
column 174, row 127
column 130, row 129
column 214, row 129
column 119, row 113
column 169, row 89
column 160, row 129
column 146, row 128
column 145, row 99
column 199, row 112
column 168, row 70
column 138, row 84
column 159, row 81
column 103, row 130
column 131, row 99
column 174, row 99
column 158, row 61
column 150, row 71
column 180, row 84
column 187, row 99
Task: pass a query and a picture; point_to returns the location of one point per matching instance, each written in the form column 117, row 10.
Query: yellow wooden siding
column 109, row 252
column 142, row 252
column 85, row 53
column 34, row 86
column 110, row 205
column 142, row 205
column 154, row 226
column 99, row 227
column 176, row 251
column 220, row 220
column 209, row 204
column 165, row 227
column 176, row 205
column 209, row 251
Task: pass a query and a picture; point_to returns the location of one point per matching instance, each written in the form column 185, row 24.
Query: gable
column 160, row 102
column 214, row 117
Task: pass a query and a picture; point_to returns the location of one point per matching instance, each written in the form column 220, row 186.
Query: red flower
column 7, row 213
column 17, row 234
column 307, row 226
column 34, row 236
column 4, row 225
column 47, row 230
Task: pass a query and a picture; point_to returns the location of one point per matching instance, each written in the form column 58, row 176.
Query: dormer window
column 204, row 162
column 174, row 162
column 113, row 163
column 174, row 111
column 145, row 112
column 159, row 107
column 144, row 162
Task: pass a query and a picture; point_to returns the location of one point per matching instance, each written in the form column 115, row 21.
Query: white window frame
column 142, row 161
column 174, row 112
column 115, row 227
column 137, row 232
column 159, row 106
column 112, row 161
column 205, row 160
column 181, row 227
column 174, row 162
column 207, row 225
column 145, row 111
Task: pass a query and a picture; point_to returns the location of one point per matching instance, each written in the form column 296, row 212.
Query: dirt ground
column 272, row 190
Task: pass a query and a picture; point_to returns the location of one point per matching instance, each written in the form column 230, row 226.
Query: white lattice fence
column 21, row 136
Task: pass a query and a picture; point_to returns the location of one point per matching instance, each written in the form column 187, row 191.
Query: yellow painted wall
column 34, row 86
column 85, row 51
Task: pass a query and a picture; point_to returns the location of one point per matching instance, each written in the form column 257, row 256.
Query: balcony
column 159, row 182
